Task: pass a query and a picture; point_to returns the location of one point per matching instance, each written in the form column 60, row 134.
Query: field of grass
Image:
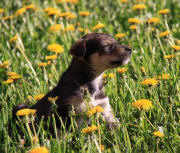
column 26, row 32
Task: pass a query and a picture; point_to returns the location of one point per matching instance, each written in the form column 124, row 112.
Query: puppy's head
column 101, row 51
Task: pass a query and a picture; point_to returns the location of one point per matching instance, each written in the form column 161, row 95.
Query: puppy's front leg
column 107, row 114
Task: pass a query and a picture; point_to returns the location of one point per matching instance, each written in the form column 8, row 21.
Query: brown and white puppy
column 92, row 55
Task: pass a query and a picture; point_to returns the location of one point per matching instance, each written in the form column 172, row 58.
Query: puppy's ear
column 78, row 48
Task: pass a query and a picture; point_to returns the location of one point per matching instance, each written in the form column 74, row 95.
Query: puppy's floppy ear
column 78, row 48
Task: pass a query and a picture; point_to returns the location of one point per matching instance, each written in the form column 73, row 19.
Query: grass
column 135, row 134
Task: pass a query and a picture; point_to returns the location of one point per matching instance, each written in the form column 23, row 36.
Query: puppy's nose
column 128, row 49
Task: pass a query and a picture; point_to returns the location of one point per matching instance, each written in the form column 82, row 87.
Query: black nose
column 128, row 49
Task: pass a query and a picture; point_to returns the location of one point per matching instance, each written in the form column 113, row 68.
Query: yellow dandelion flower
column 102, row 147
column 29, row 97
column 153, row 20
column 158, row 134
column 52, row 57
column 42, row 64
column 98, row 26
column 90, row 129
column 143, row 69
column 64, row 14
column 83, row 30
column 39, row 150
column 39, row 96
column 175, row 47
column 178, row 41
column 124, row 1
column 15, row 76
column 55, row 48
column 52, row 11
column 13, row 39
column 11, row 73
column 20, row 11
column 164, row 77
column 8, row 81
column 169, row 56
column 104, row 75
column 1, row 10
column 26, row 112
column 71, row 16
column 120, row 35
column 164, row 11
column 67, row 1
column 69, row 28
column 30, row 7
column 133, row 27
column 142, row 104
column 122, row 70
column 52, row 99
column 139, row 7
column 149, row 81
column 84, row 13
column 7, row 17
column 111, row 75
column 134, row 20
column 55, row 28
column 165, row 33
column 95, row 110
column 5, row 64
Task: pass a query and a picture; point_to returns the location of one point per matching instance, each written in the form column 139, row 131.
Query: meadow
column 35, row 37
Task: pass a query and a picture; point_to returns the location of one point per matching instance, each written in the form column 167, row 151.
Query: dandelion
column 29, row 97
column 104, row 75
column 124, row 1
column 5, row 64
column 139, row 7
column 51, row 11
column 67, row 1
column 52, row 99
column 8, row 17
column 120, row 35
column 176, row 48
column 15, row 76
column 158, row 134
column 178, row 41
column 20, row 11
column 102, row 147
column 39, row 150
column 52, row 57
column 84, row 13
column 1, row 10
column 55, row 28
column 26, row 112
column 133, row 27
column 55, row 48
column 165, row 33
column 89, row 129
column 11, row 73
column 134, row 20
column 149, row 81
column 8, row 81
column 122, row 70
column 143, row 69
column 164, row 77
column 13, row 39
column 42, row 64
column 64, row 14
column 98, row 26
column 169, row 56
column 153, row 20
column 69, row 28
column 164, row 11
column 71, row 16
column 95, row 110
column 111, row 75
column 30, row 7
column 143, row 104
column 83, row 30
column 39, row 97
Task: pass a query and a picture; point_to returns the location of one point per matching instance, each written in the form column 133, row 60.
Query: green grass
column 135, row 134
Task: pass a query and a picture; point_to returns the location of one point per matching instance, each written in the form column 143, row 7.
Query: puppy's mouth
column 116, row 62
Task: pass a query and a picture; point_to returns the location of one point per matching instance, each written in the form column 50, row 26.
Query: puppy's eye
column 109, row 48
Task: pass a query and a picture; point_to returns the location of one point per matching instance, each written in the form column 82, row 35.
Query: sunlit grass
column 27, row 31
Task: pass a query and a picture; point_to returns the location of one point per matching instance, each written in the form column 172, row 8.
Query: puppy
column 92, row 55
